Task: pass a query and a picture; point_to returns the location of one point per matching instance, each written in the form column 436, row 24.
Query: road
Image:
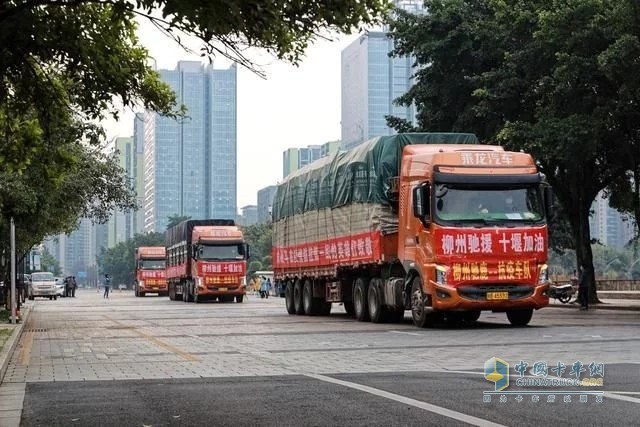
column 152, row 362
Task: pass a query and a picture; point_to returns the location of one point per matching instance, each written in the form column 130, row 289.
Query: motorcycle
column 562, row 293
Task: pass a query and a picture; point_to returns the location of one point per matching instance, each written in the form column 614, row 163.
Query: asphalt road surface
column 152, row 362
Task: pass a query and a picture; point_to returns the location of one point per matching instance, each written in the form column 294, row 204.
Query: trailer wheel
column 297, row 297
column 520, row 317
column 349, row 308
column 377, row 310
column 172, row 293
column 288, row 298
column 360, row 299
column 420, row 311
column 310, row 304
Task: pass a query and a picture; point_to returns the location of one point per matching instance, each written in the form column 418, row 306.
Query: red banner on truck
column 364, row 247
column 531, row 242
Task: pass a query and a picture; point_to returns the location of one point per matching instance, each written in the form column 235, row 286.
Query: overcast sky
column 292, row 107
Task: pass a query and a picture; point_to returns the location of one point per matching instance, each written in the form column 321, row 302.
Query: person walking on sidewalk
column 583, row 287
column 107, row 285
column 74, row 286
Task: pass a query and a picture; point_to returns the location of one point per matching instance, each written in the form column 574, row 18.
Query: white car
column 60, row 286
column 43, row 284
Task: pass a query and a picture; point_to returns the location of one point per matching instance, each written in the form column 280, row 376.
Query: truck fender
column 411, row 274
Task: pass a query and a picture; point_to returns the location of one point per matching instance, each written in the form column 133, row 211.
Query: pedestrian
column 67, row 286
column 583, row 286
column 107, row 285
column 264, row 287
column 74, row 286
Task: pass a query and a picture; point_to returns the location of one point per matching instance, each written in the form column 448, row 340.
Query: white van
column 43, row 284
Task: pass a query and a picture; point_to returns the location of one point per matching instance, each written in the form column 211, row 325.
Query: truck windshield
column 220, row 252
column 455, row 204
column 152, row 264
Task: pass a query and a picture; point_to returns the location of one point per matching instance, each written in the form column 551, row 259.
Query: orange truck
column 432, row 223
column 150, row 271
column 206, row 260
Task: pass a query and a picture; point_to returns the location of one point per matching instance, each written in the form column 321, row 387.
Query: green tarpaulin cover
column 360, row 175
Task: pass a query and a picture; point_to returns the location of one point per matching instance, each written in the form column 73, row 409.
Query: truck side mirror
column 247, row 251
column 421, row 203
column 548, row 201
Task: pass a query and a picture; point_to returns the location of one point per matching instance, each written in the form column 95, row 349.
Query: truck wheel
column 520, row 317
column 349, row 308
column 377, row 310
column 309, row 303
column 297, row 297
column 239, row 298
column 141, row 294
column 420, row 311
column 288, row 298
column 360, row 298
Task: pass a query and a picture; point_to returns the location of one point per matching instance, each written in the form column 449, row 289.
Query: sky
column 292, row 107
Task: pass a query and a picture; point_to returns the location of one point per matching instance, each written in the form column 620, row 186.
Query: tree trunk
column 584, row 255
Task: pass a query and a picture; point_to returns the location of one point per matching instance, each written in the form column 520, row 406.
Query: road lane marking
column 25, row 354
column 407, row 333
column 611, row 395
column 175, row 350
column 469, row 419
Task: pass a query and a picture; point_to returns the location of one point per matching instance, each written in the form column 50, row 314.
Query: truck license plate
column 497, row 295
column 222, row 289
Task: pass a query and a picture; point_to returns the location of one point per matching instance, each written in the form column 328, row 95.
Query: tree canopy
column 64, row 64
column 556, row 79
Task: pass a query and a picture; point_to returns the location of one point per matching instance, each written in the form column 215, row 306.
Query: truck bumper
column 447, row 298
column 154, row 288
column 222, row 290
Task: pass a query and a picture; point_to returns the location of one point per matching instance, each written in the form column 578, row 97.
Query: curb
column 12, row 342
column 603, row 306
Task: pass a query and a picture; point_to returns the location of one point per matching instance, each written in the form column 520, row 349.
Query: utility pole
column 13, row 271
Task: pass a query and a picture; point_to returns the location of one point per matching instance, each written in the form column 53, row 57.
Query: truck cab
column 150, row 271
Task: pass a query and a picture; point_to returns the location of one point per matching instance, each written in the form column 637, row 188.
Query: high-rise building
column 79, row 248
column 609, row 226
column 137, row 218
column 371, row 81
column 296, row 158
column 329, row 148
column 249, row 215
column 265, row 201
column 190, row 163
column 120, row 225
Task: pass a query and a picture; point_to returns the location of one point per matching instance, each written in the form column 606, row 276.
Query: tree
column 49, row 263
column 539, row 76
column 119, row 261
column 258, row 236
column 176, row 219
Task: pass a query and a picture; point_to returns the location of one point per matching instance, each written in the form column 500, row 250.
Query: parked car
column 122, row 287
column 60, row 286
column 43, row 284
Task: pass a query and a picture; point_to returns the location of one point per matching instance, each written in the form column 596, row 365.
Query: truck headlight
column 141, row 283
column 543, row 277
column 199, row 281
column 441, row 275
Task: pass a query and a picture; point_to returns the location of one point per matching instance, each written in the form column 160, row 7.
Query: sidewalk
column 607, row 304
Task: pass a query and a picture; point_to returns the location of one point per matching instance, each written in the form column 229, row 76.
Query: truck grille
column 480, row 292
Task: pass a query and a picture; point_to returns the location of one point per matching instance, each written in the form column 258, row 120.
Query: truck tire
column 141, row 294
column 420, row 313
column 288, row 298
column 361, row 307
column 471, row 316
column 377, row 310
column 309, row 303
column 349, row 308
column 324, row 307
column 520, row 317
column 172, row 293
column 239, row 298
column 297, row 297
